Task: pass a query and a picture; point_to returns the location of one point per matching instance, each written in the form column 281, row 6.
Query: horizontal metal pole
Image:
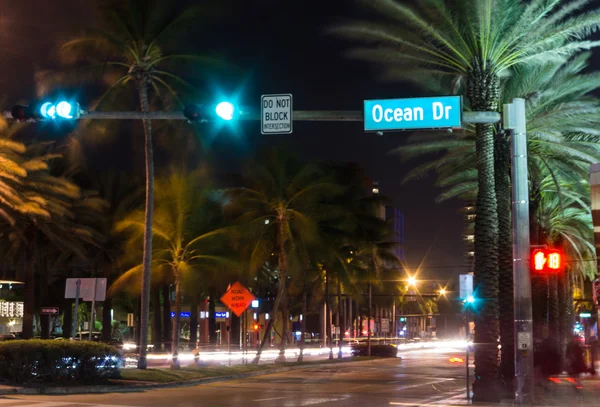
column 133, row 115
column 298, row 115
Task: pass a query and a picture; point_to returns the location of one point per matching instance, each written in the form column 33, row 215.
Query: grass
column 199, row 372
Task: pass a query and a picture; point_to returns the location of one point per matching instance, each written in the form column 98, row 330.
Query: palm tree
column 475, row 42
column 563, row 219
column 189, row 235
column 281, row 202
column 560, row 114
column 54, row 203
column 133, row 49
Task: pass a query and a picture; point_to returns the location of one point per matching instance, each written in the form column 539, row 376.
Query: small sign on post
column 385, row 325
column 49, row 311
column 276, row 114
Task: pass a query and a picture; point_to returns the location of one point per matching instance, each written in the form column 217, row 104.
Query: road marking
column 360, row 387
column 411, row 386
column 394, row 382
column 270, row 398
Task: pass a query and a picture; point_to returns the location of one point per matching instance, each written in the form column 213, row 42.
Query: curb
column 142, row 386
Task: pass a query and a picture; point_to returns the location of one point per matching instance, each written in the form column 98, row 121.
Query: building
column 11, row 303
column 395, row 217
column 469, row 236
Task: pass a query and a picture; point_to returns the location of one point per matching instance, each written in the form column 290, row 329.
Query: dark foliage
column 55, row 361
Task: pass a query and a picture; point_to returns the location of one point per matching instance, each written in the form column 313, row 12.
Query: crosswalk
column 15, row 402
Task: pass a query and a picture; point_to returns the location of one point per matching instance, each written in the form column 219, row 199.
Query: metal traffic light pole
column 515, row 120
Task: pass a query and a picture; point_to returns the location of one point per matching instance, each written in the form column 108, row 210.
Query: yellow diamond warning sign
column 237, row 298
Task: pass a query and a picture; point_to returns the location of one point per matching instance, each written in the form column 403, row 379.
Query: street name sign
column 237, row 298
column 443, row 112
column 49, row 311
column 276, row 114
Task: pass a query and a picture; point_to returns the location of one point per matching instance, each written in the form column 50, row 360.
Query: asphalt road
column 420, row 378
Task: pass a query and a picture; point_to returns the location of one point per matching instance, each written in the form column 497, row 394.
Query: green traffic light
column 225, row 110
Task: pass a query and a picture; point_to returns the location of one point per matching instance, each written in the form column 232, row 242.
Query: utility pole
column 515, row 120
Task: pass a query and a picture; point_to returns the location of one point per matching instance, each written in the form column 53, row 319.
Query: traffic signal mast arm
column 299, row 115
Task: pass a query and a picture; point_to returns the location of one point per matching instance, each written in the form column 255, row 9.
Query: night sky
column 282, row 49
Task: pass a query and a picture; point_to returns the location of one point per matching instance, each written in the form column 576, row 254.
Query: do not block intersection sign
column 276, row 114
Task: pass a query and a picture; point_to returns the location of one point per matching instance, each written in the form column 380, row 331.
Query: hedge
column 386, row 351
column 58, row 361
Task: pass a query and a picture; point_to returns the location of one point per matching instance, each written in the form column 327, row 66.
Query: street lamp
column 442, row 291
column 412, row 281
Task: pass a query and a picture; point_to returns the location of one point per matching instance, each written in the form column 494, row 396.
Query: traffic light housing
column 60, row 109
column 546, row 261
column 226, row 111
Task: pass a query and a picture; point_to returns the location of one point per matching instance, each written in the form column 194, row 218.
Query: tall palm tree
column 189, row 235
column 281, row 201
column 133, row 49
column 561, row 116
column 475, row 41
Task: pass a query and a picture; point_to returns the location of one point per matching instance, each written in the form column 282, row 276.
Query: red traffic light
column 546, row 260
column 256, row 327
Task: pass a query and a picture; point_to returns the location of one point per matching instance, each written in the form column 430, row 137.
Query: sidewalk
column 566, row 391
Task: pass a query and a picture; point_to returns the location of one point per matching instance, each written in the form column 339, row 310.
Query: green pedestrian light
column 470, row 299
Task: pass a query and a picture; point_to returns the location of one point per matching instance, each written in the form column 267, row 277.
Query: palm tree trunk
column 67, row 325
column 482, row 91
column 339, row 319
column 328, row 329
column 106, row 306
column 43, row 295
column 194, row 321
column 369, row 320
column 282, row 268
column 505, row 264
column 212, row 322
column 285, row 316
column 29, row 303
column 147, row 256
column 176, row 320
column 554, row 313
column 303, row 326
column 350, row 319
column 156, row 320
column 563, row 325
column 166, row 297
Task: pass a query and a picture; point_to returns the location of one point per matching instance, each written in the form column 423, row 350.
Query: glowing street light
column 470, row 299
column 442, row 291
column 412, row 281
